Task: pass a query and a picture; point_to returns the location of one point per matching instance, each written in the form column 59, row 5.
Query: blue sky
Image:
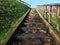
column 33, row 3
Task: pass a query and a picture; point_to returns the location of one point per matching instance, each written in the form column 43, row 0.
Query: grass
column 54, row 21
column 46, row 16
column 5, row 33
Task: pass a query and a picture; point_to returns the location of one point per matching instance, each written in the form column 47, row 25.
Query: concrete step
column 31, row 36
column 32, row 27
column 34, row 23
column 38, row 21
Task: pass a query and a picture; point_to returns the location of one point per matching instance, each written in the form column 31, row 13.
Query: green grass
column 54, row 21
column 10, row 14
column 46, row 16
column 5, row 33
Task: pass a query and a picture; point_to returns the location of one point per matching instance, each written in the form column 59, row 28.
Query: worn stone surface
column 35, row 31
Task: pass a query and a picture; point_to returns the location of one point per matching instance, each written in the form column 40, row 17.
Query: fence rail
column 52, row 14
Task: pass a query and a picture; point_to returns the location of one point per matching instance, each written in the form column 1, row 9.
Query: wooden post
column 43, row 11
column 57, row 18
column 50, row 14
column 46, row 11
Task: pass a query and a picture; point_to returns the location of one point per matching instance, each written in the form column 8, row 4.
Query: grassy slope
column 20, row 11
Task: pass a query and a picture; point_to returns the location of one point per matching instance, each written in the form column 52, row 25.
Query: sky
column 33, row 3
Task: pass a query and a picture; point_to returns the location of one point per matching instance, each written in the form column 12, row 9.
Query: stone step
column 38, row 21
column 34, row 28
column 31, row 36
column 34, row 23
column 36, row 31
column 35, row 20
column 31, row 28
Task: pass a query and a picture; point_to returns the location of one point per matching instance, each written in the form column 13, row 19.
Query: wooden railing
column 53, row 33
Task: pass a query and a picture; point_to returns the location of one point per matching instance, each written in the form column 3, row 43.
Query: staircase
column 35, row 32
